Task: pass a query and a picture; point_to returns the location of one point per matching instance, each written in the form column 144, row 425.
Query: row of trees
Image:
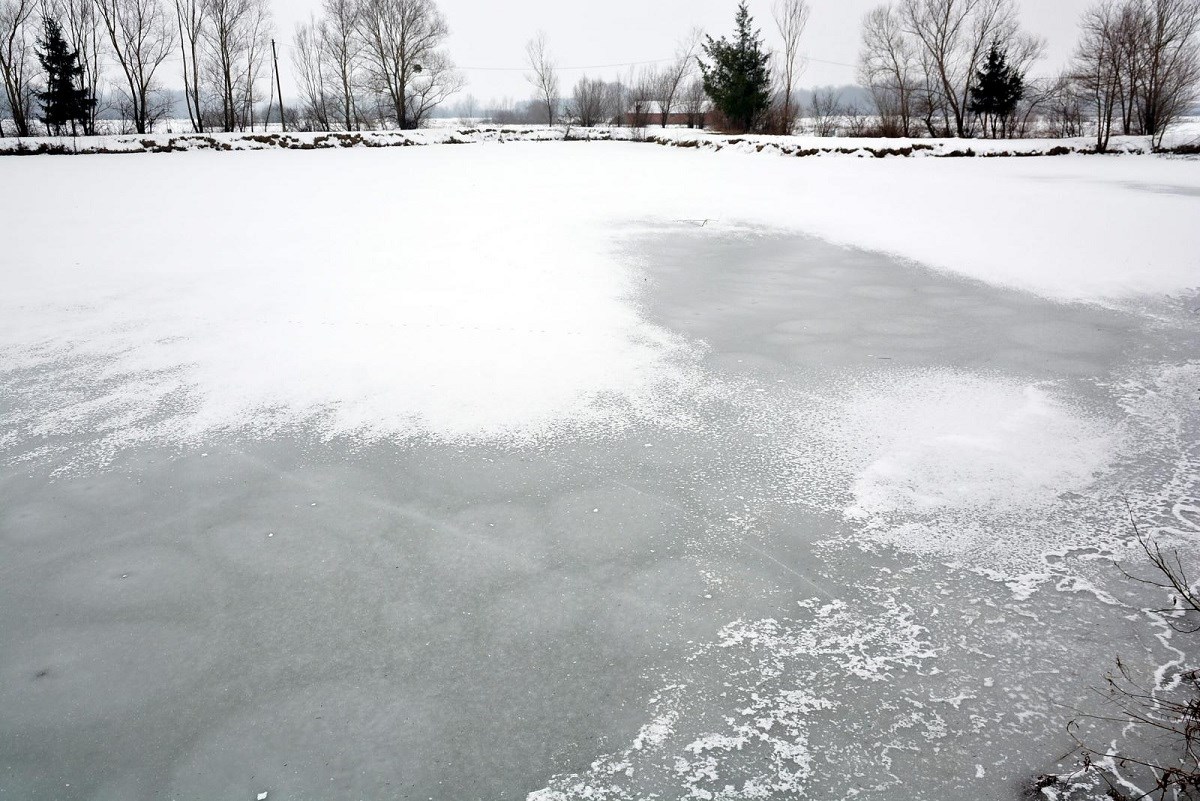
column 368, row 62
column 646, row 93
column 921, row 60
column 747, row 84
column 646, row 97
column 363, row 61
column 223, row 45
column 962, row 67
column 1138, row 64
column 932, row 67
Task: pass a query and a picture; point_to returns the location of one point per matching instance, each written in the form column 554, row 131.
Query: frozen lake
column 582, row 471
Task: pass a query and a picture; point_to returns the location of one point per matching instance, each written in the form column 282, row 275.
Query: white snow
column 480, row 290
column 944, row 441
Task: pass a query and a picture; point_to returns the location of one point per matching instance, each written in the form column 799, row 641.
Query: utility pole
column 275, row 58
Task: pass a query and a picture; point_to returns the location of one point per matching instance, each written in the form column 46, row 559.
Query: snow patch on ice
column 379, row 313
column 955, row 441
column 1021, row 483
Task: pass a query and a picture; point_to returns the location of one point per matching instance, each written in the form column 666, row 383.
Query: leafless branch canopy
column 1138, row 63
column 16, row 60
column 791, row 20
column 543, row 74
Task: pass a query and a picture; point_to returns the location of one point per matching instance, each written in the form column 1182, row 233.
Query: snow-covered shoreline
column 790, row 146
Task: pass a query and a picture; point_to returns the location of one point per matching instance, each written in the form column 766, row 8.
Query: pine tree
column 997, row 90
column 738, row 79
column 64, row 101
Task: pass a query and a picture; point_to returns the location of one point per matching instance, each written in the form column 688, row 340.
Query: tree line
column 962, row 67
column 378, row 63
column 735, row 79
column 370, row 63
column 937, row 68
column 945, row 68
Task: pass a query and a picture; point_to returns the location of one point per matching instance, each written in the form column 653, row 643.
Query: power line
column 834, row 63
column 176, row 58
column 626, row 64
column 525, row 68
column 568, row 69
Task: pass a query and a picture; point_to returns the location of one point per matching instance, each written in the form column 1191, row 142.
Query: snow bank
column 791, row 146
column 189, row 142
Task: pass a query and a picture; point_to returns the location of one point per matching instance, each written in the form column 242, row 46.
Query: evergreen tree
column 64, row 101
column 738, row 79
column 997, row 90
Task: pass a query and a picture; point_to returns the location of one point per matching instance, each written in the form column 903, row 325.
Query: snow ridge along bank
column 790, row 146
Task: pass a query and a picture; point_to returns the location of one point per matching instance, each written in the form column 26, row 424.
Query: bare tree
column 695, row 103
column 342, row 46
column 1138, row 62
column 1098, row 68
column 930, row 105
column 1023, row 51
column 791, row 19
column 434, row 85
column 670, row 81
column 190, row 20
column 1048, row 102
column 468, row 108
column 543, row 75
column 827, row 111
column 639, row 97
column 954, row 36
column 1063, row 115
column 919, row 59
column 855, row 120
column 16, row 67
column 140, row 37
column 1171, row 62
column 1128, row 43
column 233, row 26
column 308, row 59
column 503, row 112
column 589, row 104
column 888, row 67
column 618, row 95
column 256, row 58
column 402, row 50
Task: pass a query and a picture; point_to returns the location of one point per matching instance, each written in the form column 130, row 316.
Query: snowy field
column 582, row 470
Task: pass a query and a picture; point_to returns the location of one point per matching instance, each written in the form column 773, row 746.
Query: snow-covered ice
column 477, row 290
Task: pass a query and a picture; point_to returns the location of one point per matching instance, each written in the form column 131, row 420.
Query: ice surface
column 482, row 471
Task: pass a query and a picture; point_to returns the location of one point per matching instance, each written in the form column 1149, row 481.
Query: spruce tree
column 997, row 90
column 64, row 101
column 737, row 77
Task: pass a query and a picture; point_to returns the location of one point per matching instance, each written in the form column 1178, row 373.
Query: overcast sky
column 488, row 38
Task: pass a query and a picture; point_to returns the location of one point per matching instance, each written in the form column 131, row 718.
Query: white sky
column 489, row 34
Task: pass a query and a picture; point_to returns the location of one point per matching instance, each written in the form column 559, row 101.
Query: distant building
column 642, row 114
